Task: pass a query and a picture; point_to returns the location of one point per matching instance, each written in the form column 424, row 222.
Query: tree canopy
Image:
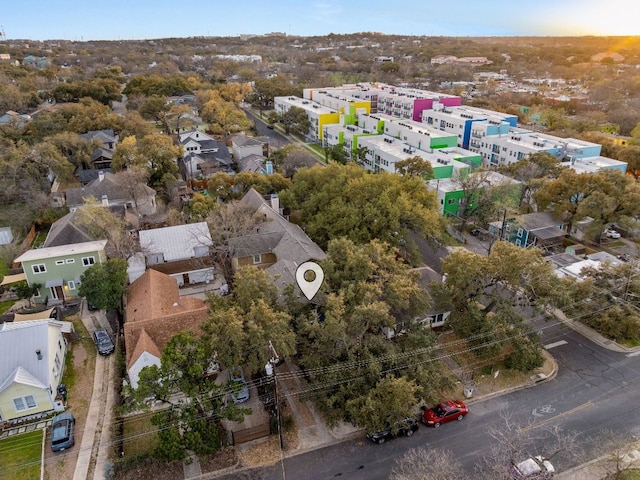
column 347, row 201
column 104, row 284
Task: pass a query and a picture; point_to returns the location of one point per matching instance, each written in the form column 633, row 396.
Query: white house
column 180, row 251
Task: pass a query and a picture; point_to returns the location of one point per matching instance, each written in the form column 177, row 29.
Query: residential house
column 243, row 146
column 433, row 318
column 14, row 118
column 105, row 142
column 154, row 313
column 113, row 189
column 58, row 269
column 203, row 156
column 255, row 164
column 68, row 229
column 539, row 229
column 180, row 251
column 276, row 244
column 32, row 357
column 568, row 264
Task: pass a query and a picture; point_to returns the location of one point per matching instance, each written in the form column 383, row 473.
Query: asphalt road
column 276, row 139
column 595, row 391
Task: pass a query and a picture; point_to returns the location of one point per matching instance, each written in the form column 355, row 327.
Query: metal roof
column 62, row 250
column 178, row 242
column 19, row 342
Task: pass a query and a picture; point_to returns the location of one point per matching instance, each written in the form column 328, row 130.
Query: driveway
column 96, row 439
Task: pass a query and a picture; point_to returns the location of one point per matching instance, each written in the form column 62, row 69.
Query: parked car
column 534, row 467
column 103, row 342
column 240, row 393
column 403, row 428
column 611, row 233
column 475, row 232
column 444, row 412
column 62, row 432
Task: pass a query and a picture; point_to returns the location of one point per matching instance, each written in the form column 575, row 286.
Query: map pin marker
column 309, row 287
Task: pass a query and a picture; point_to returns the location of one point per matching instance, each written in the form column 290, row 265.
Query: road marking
column 633, row 354
column 555, row 344
column 551, row 419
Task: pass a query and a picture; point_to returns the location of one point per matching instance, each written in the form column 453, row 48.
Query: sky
column 83, row 20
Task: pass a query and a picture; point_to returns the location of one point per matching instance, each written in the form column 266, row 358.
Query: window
column 24, row 403
column 59, row 262
column 257, row 258
column 40, row 268
column 71, row 284
column 70, row 260
column 88, row 261
column 520, row 232
column 451, row 201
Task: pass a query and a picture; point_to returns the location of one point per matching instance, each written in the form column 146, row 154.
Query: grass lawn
column 632, row 474
column 20, row 456
column 4, row 306
column 139, row 435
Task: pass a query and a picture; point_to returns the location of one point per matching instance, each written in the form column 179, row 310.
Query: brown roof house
column 155, row 312
column 276, row 244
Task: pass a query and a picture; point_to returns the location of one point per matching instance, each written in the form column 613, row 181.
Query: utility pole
column 270, row 369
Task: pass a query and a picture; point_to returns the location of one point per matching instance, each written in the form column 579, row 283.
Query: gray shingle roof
column 110, row 187
column 293, row 244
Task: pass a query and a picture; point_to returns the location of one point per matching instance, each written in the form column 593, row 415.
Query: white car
column 533, row 467
column 610, row 233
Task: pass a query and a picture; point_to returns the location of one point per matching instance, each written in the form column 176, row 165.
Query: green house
column 58, row 269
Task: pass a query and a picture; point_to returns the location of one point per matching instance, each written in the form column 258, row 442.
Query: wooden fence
column 247, row 434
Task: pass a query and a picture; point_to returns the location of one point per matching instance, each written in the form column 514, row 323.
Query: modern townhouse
column 460, row 120
column 318, row 115
column 506, row 148
column 453, row 199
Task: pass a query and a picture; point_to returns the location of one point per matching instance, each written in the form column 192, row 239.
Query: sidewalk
column 601, row 467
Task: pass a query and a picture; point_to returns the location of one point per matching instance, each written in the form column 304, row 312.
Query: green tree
column 240, row 326
column 157, row 108
column 158, row 155
column 487, row 294
column 24, row 291
column 337, row 153
column 607, row 196
column 104, row 284
column 341, row 345
column 266, row 89
column 532, row 170
column 392, row 400
column 345, row 200
column 295, row 121
column 199, row 207
column 631, row 155
column 192, row 425
column 415, row 167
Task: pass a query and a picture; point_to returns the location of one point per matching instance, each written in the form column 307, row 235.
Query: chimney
column 101, row 175
column 275, row 202
column 105, row 201
column 269, row 167
column 39, row 354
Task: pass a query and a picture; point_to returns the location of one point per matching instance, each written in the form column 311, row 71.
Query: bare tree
column 230, row 221
column 516, row 442
column 427, row 464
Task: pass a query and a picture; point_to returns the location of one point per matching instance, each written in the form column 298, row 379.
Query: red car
column 444, row 412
